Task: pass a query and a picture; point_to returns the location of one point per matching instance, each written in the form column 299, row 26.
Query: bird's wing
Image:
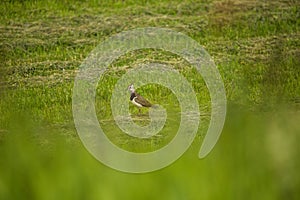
column 139, row 99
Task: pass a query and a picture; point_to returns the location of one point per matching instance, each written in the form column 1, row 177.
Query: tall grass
column 255, row 45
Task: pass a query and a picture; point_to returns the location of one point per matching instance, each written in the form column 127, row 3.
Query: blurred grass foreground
column 255, row 45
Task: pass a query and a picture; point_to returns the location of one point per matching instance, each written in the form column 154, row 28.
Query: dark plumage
column 137, row 99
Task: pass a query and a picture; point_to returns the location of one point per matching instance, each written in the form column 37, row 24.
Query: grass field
column 255, row 45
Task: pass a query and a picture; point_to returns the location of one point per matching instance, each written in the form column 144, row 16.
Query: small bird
column 137, row 99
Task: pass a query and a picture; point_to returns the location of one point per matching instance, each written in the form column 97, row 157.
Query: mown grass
column 255, row 45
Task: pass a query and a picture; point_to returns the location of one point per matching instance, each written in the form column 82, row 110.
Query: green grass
column 255, row 45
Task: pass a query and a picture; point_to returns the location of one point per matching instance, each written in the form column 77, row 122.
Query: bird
column 137, row 99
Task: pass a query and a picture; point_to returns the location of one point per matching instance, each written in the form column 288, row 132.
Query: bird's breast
column 132, row 96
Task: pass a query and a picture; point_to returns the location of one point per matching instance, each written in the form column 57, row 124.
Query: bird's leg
column 139, row 111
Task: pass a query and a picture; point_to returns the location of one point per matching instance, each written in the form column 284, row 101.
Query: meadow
column 255, row 46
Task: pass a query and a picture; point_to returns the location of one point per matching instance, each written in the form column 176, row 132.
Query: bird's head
column 131, row 88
